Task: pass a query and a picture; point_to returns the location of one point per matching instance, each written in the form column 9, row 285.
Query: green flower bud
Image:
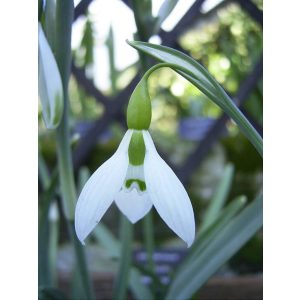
column 50, row 85
column 139, row 107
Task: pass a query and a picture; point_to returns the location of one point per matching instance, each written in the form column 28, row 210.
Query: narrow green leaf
column 122, row 279
column 181, row 60
column 143, row 18
column 204, row 81
column 149, row 238
column 219, row 198
column 224, row 245
column 45, row 200
column 113, row 247
column 43, row 257
column 77, row 289
column 81, row 264
column 64, row 20
column 106, row 239
column 48, row 224
column 77, row 285
column 50, row 85
column 139, row 290
column 83, row 176
column 210, row 233
column 43, row 234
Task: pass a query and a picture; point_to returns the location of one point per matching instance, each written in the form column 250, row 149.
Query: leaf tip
column 130, row 43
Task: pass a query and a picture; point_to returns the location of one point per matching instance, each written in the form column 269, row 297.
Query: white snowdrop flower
column 135, row 189
column 136, row 178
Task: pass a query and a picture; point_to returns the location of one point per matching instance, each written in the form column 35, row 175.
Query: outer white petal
column 168, row 194
column 133, row 205
column 100, row 190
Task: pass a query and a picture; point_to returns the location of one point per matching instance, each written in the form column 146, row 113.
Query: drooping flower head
column 136, row 178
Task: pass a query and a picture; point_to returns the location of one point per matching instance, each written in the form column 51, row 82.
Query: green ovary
column 141, row 184
column 139, row 107
column 136, row 150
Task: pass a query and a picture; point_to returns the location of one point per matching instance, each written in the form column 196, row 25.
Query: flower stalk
column 63, row 27
column 221, row 99
column 64, row 19
column 121, row 283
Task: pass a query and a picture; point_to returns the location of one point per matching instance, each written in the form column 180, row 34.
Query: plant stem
column 49, row 187
column 142, row 21
column 122, row 279
column 80, row 262
column 149, row 240
column 64, row 20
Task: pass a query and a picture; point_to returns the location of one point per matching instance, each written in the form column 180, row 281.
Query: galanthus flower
column 136, row 178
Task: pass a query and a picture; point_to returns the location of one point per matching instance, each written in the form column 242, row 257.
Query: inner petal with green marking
column 135, row 179
column 130, row 183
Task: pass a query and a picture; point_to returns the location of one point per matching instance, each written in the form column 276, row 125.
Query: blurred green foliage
column 228, row 45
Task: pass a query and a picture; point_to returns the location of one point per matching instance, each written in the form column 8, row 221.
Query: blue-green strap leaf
column 208, row 235
column 225, row 244
column 219, row 198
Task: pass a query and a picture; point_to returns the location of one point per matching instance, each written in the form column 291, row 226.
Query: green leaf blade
column 226, row 243
column 204, row 81
column 179, row 59
column 208, row 235
column 140, row 291
column 113, row 248
column 122, row 279
column 219, row 198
